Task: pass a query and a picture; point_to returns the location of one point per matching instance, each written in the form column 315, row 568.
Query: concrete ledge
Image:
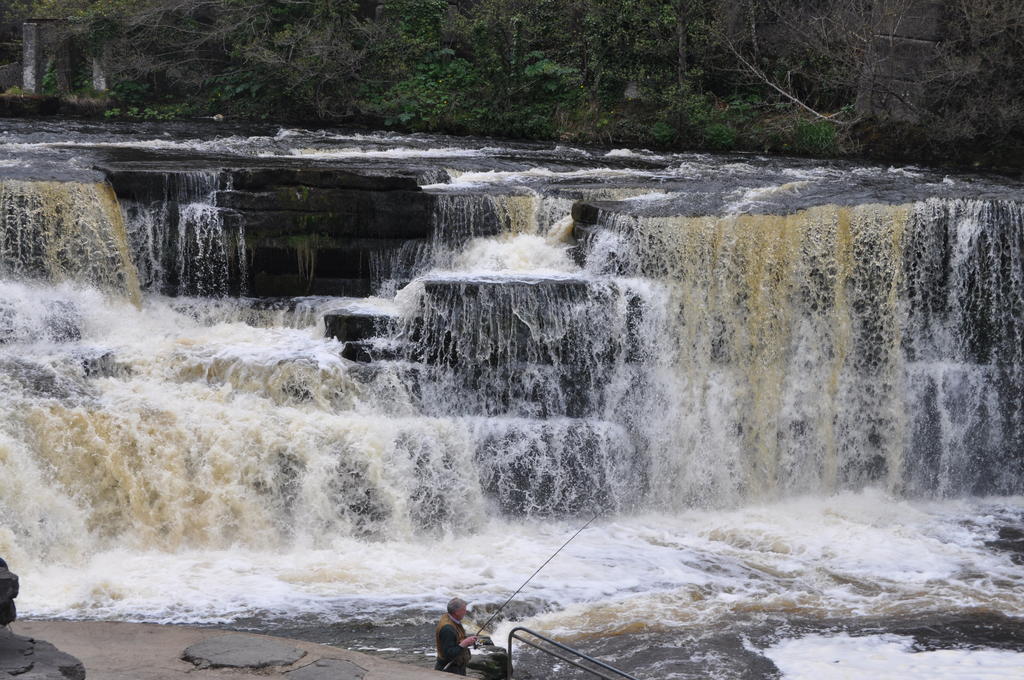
column 136, row 651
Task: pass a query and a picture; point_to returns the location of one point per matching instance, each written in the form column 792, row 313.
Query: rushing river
column 791, row 392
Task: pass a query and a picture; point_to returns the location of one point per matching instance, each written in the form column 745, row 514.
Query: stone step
column 369, row 351
column 258, row 178
column 468, row 323
column 365, row 330
column 354, row 325
column 356, row 215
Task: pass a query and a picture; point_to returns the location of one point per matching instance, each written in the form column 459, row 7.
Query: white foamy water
column 887, row 657
column 855, row 555
column 397, row 152
column 519, row 253
column 482, row 178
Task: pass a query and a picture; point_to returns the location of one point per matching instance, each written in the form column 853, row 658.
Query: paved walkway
column 137, row 651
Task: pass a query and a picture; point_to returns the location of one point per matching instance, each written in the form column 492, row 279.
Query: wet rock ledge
column 304, row 231
column 130, row 651
column 26, row 657
column 31, row 659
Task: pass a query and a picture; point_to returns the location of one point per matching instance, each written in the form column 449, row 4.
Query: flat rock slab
column 139, row 651
column 241, row 651
column 31, row 659
column 328, row 669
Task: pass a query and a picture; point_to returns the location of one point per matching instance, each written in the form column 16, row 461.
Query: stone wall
column 904, row 51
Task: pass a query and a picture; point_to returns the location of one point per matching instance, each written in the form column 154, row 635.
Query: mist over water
column 797, row 411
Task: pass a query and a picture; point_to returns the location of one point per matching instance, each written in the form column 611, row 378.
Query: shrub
column 814, row 137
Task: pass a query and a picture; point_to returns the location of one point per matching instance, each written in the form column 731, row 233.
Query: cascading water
column 786, row 420
column 809, row 347
column 179, row 238
column 59, row 231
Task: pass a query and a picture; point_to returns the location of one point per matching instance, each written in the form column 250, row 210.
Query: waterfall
column 460, row 217
column 835, row 347
column 457, row 219
column 179, row 238
column 787, row 422
column 61, row 231
column 964, row 346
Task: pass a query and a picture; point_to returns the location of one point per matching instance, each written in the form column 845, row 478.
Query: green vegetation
column 757, row 75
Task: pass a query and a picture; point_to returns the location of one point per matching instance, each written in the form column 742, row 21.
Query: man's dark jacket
column 451, row 657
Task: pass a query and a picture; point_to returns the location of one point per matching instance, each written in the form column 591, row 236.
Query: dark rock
column 1011, row 540
column 328, row 669
column 382, row 350
column 148, row 184
column 992, row 630
column 589, row 212
column 904, row 50
column 311, row 265
column 356, row 328
column 285, row 285
column 99, row 363
column 516, row 610
column 10, row 75
column 490, row 661
column 358, row 214
column 261, row 178
column 8, row 592
column 31, row 659
column 360, row 222
column 357, row 351
column 584, row 236
column 904, row 58
column 306, row 230
column 241, row 651
column 347, row 325
column 301, row 199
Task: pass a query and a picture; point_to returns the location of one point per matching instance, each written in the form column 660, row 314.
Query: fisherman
column 452, row 642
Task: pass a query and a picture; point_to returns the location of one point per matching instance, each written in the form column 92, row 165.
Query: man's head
column 457, row 608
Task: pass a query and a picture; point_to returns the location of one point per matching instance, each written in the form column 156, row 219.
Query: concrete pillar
column 99, row 75
column 33, row 60
column 40, row 48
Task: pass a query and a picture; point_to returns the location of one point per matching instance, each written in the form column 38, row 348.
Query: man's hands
column 468, row 641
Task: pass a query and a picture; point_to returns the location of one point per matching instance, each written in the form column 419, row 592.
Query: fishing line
column 578, row 532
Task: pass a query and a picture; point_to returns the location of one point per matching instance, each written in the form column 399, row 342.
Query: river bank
column 135, row 651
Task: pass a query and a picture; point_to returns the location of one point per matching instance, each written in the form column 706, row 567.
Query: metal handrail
column 512, row 635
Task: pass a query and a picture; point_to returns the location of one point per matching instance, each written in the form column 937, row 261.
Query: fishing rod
column 578, row 532
column 512, row 597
